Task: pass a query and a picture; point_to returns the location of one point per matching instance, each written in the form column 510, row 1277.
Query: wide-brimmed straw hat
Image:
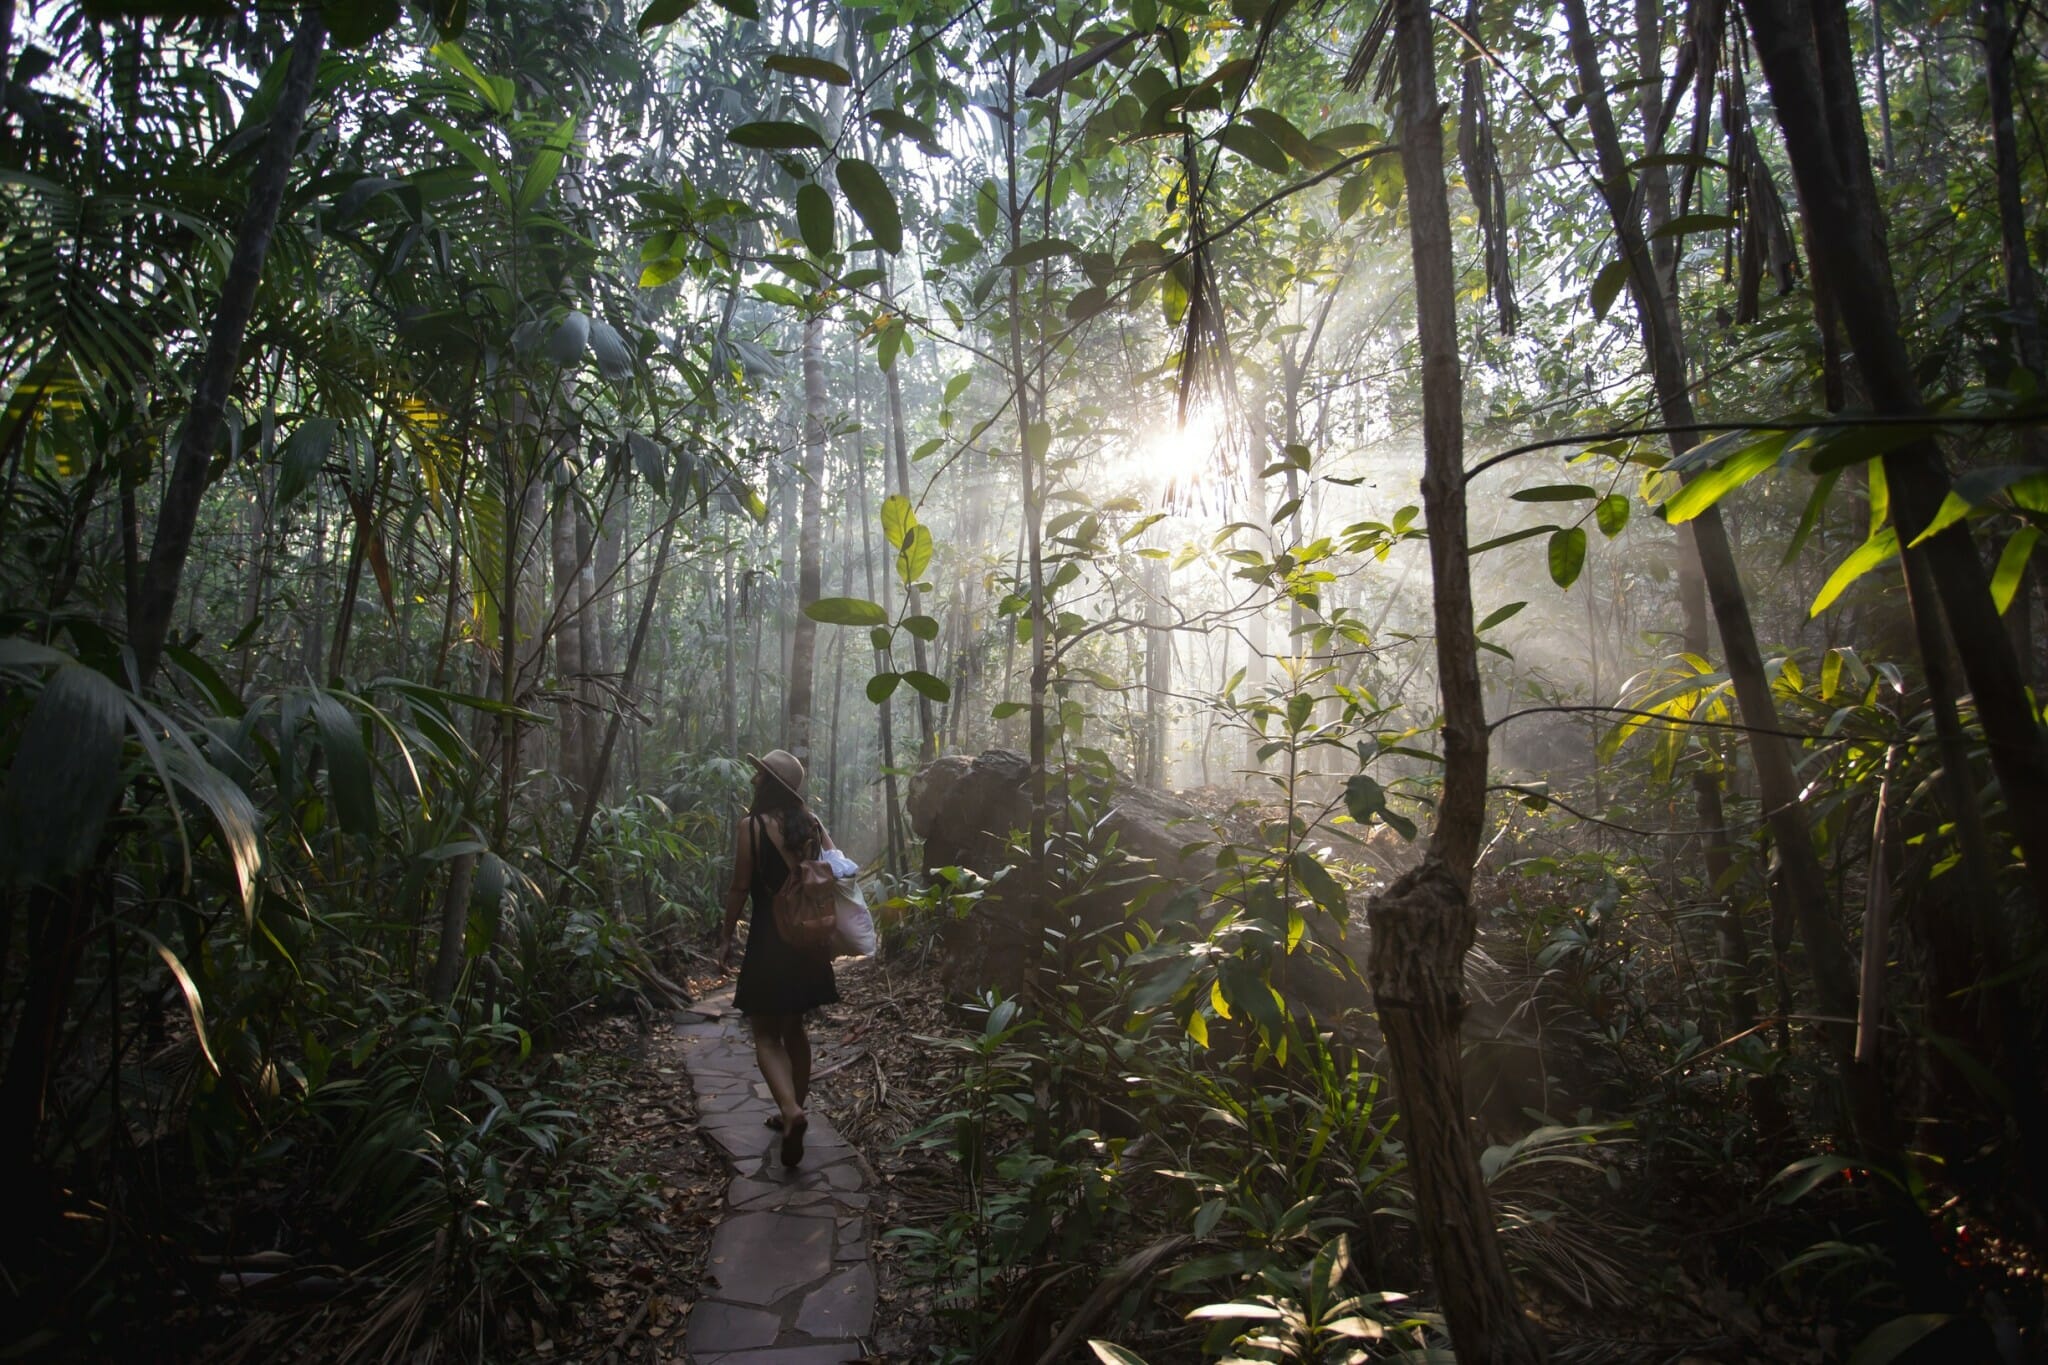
column 785, row 767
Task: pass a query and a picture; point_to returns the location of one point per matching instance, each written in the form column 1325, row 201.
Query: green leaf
column 1003, row 710
column 925, row 628
column 1317, row 881
column 1742, row 456
column 1879, row 549
column 740, row 9
column 614, row 359
column 898, row 519
column 190, row 989
column 1510, row 538
column 916, row 555
column 570, row 339
column 1607, row 285
column 896, row 123
column 301, row 456
column 1255, row 147
column 1611, row 514
column 663, row 12
column 546, row 165
column 776, row 135
column 1844, row 446
column 814, row 219
column 1044, row 249
column 2012, row 567
column 356, row 23
column 883, row 686
column 846, row 611
column 810, row 68
column 1976, row 488
column 1897, row 1337
column 498, row 96
column 1364, row 798
column 1351, row 195
column 349, row 779
column 1567, row 555
column 934, row 688
column 872, row 199
column 1556, row 492
column 1494, row 618
column 65, row 776
column 1688, row 223
column 1108, row 1352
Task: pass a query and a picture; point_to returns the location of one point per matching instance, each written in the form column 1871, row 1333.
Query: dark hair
column 802, row 835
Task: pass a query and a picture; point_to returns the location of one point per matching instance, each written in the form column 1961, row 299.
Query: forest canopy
column 1425, row 620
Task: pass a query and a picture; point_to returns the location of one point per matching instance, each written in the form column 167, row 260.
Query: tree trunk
column 804, row 635
column 448, row 956
column 928, row 736
column 179, row 512
column 568, row 621
column 1423, row 925
column 1800, row 878
column 1804, row 48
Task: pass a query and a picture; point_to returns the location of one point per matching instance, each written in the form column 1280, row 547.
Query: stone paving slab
column 788, row 1279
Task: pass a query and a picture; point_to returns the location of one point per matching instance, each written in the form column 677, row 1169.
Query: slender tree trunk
column 809, row 578
column 449, row 954
column 603, row 760
column 568, row 618
column 1800, row 878
column 728, row 663
column 1804, row 48
column 187, row 484
column 1424, row 924
column 878, row 587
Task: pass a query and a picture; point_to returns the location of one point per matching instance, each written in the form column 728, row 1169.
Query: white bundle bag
column 854, row 930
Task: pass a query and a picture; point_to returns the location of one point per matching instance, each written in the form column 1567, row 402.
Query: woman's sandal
column 793, row 1141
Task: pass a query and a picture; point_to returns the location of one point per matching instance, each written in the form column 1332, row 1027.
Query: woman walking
column 778, row 984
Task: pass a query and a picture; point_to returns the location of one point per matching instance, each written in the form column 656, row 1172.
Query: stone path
column 788, row 1277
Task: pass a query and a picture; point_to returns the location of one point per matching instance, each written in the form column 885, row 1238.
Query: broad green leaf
column 1037, row 440
column 934, row 688
column 1556, row 492
column 1611, row 513
column 1567, row 555
column 1978, row 487
column 1352, row 194
column 1510, row 538
column 1044, row 249
column 235, row 819
column 925, row 628
column 1318, row 882
column 1892, row 1340
column 2012, row 567
column 1364, row 798
column 846, row 611
column 896, row 123
column 570, row 339
column 898, row 519
column 810, row 68
column 65, row 776
column 776, row 135
column 609, row 349
column 873, row 201
column 814, row 219
column 1255, row 147
column 740, row 9
column 1879, row 549
column 301, row 456
column 356, row 23
column 664, row 12
column 1607, row 285
column 916, row 555
column 1108, row 1352
column 349, row 779
column 883, row 686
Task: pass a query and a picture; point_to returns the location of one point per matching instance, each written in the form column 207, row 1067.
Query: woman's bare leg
column 798, row 1044
column 771, row 1054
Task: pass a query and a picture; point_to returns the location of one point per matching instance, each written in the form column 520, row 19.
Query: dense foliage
column 440, row 441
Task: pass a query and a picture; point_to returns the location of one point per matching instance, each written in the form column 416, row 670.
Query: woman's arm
column 736, row 893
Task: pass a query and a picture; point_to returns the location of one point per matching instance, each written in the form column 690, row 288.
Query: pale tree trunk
column 590, row 642
column 1804, row 49
column 1424, row 924
column 809, row 575
column 567, row 619
column 878, row 591
column 728, row 663
column 928, row 739
column 1158, row 674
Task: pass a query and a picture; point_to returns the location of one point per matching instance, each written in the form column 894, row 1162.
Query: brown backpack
column 805, row 905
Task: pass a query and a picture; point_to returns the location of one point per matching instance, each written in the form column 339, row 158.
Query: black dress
column 775, row 978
